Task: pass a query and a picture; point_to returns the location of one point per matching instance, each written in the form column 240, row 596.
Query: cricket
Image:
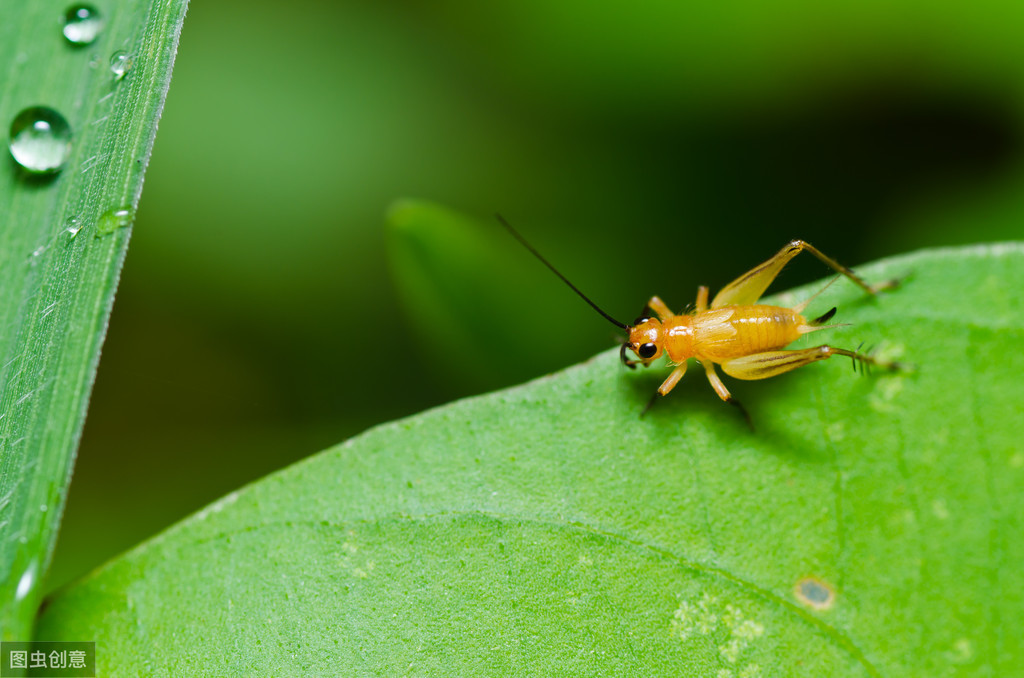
column 747, row 339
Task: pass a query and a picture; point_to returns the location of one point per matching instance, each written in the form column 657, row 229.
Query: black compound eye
column 640, row 320
column 647, row 350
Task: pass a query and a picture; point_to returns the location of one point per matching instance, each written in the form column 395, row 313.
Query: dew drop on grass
column 82, row 23
column 26, row 583
column 40, row 140
column 120, row 64
column 114, row 219
column 73, row 225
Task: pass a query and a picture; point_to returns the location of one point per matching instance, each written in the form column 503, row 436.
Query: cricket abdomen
column 735, row 331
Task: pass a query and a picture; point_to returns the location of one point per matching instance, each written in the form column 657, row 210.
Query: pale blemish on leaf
column 836, row 431
column 902, row 519
column 364, row 572
column 940, row 509
column 748, row 671
column 814, row 593
column 883, row 398
column 700, row 618
column 963, row 651
column 360, row 567
column 707, row 616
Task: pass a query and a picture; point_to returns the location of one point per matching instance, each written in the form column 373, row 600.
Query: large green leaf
column 470, row 290
column 870, row 527
column 56, row 286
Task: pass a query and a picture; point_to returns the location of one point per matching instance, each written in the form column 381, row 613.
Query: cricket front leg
column 666, row 386
column 659, row 307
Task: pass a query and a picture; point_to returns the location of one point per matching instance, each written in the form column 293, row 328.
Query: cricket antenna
column 554, row 270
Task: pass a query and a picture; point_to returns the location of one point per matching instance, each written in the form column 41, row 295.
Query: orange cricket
column 746, row 338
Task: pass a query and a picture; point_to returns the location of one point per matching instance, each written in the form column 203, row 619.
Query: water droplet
column 120, row 64
column 115, row 219
column 39, row 250
column 26, row 583
column 73, row 225
column 82, row 23
column 40, row 140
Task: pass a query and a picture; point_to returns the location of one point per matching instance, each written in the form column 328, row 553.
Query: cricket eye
column 647, row 350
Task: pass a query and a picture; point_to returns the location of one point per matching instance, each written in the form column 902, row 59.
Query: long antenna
column 554, row 270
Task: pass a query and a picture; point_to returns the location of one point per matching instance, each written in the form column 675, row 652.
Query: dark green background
column 647, row 150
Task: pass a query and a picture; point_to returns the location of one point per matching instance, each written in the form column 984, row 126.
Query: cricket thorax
column 679, row 336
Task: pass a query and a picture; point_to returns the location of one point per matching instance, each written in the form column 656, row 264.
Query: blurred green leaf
column 870, row 527
column 483, row 308
column 57, row 287
column 703, row 56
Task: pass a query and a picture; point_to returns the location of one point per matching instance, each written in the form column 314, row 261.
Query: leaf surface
column 870, row 527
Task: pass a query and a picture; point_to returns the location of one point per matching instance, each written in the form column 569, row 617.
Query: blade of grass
column 56, row 287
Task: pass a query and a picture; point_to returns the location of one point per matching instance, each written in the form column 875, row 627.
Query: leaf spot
column 814, row 593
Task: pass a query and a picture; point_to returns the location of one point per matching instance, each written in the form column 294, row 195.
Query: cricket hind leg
column 773, row 363
column 749, row 287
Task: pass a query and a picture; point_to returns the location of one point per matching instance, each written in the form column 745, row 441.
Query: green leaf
column 56, row 287
column 870, row 527
column 473, row 293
